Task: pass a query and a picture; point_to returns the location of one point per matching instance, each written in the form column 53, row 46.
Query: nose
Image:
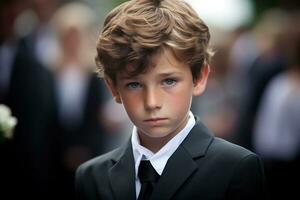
column 152, row 99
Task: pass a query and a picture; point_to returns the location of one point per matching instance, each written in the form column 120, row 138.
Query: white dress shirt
column 72, row 89
column 160, row 158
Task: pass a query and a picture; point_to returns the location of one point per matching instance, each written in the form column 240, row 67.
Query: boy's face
column 158, row 101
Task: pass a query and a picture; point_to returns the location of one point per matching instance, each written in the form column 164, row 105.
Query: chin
column 153, row 133
column 156, row 135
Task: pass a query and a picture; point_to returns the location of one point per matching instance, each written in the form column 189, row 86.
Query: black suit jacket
column 203, row 167
column 72, row 145
column 24, row 159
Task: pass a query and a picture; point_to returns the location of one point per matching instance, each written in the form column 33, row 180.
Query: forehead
column 162, row 62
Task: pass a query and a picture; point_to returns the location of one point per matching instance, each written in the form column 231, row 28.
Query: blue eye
column 133, row 85
column 169, row 82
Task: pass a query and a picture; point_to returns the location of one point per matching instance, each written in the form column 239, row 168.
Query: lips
column 155, row 121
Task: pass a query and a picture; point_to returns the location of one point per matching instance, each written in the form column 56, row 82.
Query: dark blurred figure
column 41, row 38
column 270, row 59
column 277, row 128
column 78, row 134
column 24, row 87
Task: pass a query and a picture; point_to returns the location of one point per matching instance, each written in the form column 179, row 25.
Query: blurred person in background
column 34, row 25
column 266, row 59
column 78, row 130
column 9, row 10
column 8, row 42
column 24, row 87
column 216, row 106
column 276, row 134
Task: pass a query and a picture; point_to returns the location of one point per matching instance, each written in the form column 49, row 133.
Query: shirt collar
column 160, row 158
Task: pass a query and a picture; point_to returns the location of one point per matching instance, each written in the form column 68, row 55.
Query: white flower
column 7, row 122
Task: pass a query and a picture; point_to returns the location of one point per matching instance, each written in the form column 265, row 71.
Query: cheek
column 180, row 101
column 131, row 105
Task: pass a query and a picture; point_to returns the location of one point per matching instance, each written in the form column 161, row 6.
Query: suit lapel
column 122, row 176
column 177, row 170
column 181, row 164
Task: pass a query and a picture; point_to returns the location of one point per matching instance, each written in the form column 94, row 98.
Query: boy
column 154, row 57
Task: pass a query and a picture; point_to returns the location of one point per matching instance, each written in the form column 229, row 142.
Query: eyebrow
column 162, row 75
column 166, row 74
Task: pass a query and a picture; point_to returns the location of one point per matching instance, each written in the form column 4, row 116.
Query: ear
column 200, row 83
column 113, row 89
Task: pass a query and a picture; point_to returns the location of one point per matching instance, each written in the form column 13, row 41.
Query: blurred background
column 66, row 116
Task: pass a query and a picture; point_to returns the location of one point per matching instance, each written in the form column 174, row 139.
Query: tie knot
column 146, row 172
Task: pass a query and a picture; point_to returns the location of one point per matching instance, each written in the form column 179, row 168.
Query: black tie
column 148, row 177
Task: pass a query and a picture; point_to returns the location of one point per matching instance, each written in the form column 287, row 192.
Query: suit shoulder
column 228, row 150
column 100, row 162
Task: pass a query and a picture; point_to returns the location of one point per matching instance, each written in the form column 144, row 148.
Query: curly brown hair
column 137, row 29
